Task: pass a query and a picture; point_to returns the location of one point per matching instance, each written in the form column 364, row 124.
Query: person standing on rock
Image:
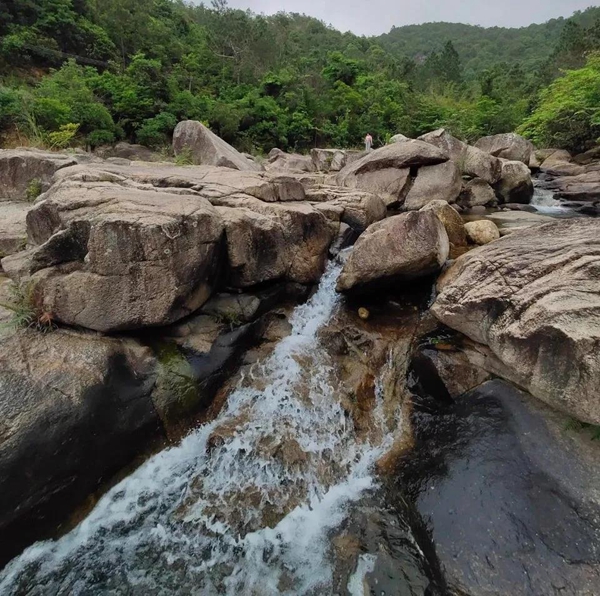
column 368, row 142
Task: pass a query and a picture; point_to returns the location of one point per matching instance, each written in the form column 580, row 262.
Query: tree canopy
column 104, row 70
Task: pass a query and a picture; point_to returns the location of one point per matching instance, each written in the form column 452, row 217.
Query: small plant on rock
column 184, row 157
column 26, row 313
column 34, row 189
column 229, row 318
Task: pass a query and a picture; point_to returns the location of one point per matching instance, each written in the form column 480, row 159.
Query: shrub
column 34, row 189
column 26, row 313
column 156, row 131
column 63, row 137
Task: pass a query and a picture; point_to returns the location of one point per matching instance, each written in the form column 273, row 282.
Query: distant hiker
column 368, row 142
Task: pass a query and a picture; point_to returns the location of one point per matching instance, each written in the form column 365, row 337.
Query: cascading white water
column 243, row 505
column 544, row 202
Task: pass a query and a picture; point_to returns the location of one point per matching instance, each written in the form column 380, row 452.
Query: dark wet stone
column 510, row 496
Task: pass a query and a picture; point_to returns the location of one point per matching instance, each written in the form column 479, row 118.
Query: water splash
column 243, row 505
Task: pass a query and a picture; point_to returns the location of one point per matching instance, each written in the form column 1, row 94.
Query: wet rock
column 395, row 250
column 533, row 298
column 75, row 409
column 441, row 182
column 482, row 231
column 452, row 222
column 509, row 497
column 581, row 187
column 509, row 146
column 445, row 372
column 477, row 192
column 24, row 170
column 207, row 148
column 515, row 184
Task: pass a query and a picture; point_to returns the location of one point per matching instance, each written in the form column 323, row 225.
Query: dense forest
column 92, row 72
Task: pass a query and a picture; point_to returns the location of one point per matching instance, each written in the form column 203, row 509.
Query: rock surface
column 471, row 161
column 441, row 182
column 515, row 184
column 125, row 247
column 387, row 170
column 452, row 222
column 279, row 160
column 19, row 168
column 128, row 151
column 509, row 146
column 207, row 148
column 509, row 498
column 482, row 231
column 477, row 193
column 395, row 250
column 533, row 297
column 13, row 230
column 75, row 409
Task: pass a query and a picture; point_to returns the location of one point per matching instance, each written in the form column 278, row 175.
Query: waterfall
column 243, row 505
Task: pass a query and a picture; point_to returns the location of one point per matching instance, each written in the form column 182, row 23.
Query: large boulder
column 482, row 231
column 453, row 223
column 294, row 162
column 207, row 148
column 509, row 146
column 471, row 161
column 386, row 171
column 333, row 160
column 112, row 258
column 399, row 138
column 358, row 208
column 75, row 409
column 13, row 230
column 395, row 250
column 441, row 182
column 128, row 151
column 25, row 173
column 267, row 242
column 515, row 184
column 477, row 193
column 533, row 298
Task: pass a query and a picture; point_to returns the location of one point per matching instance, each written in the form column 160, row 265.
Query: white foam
column 190, row 519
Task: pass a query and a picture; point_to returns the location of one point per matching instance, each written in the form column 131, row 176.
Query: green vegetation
column 25, row 310
column 568, row 114
column 578, row 426
column 34, row 189
column 84, row 72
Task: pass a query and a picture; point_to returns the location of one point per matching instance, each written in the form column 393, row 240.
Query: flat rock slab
column 13, row 229
column 509, row 220
column 511, row 498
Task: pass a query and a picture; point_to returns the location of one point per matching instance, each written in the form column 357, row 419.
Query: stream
column 244, row 504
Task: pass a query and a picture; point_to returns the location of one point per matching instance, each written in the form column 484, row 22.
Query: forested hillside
column 92, row 72
column 479, row 47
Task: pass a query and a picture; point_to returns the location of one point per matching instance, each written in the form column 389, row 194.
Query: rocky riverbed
column 337, row 373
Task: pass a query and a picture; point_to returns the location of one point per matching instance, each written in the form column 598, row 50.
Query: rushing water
column 244, row 505
column 544, row 202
